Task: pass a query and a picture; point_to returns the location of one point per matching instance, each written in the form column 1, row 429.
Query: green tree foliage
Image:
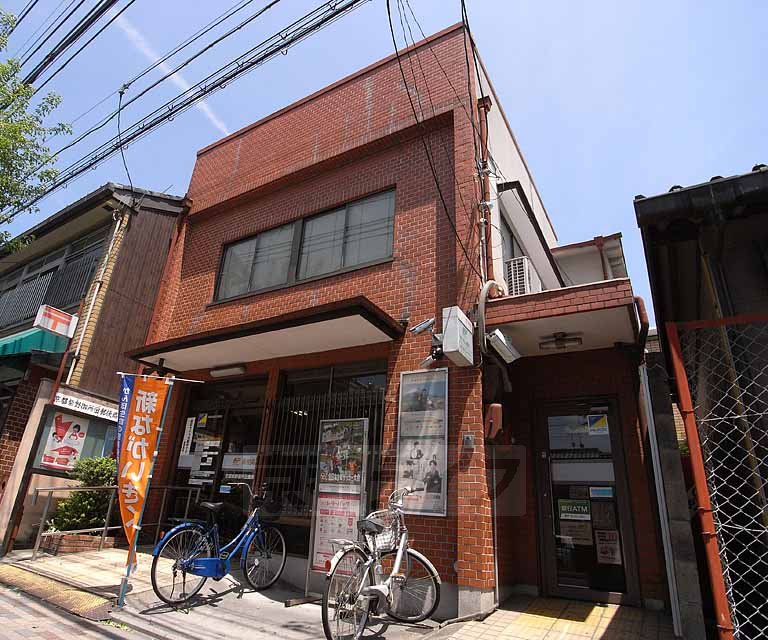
column 26, row 163
column 86, row 509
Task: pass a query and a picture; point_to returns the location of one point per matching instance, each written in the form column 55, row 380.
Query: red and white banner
column 55, row 321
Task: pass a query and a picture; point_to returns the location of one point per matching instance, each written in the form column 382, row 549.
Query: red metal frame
column 704, row 507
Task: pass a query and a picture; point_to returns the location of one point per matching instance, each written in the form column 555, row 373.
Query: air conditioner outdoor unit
column 522, row 277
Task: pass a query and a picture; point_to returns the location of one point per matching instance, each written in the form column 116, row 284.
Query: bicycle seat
column 213, row 507
column 371, row 525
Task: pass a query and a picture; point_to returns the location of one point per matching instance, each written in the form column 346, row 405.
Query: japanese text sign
column 142, row 401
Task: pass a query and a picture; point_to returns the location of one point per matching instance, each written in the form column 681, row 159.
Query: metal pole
column 162, row 510
column 132, row 550
column 112, row 495
column 704, row 509
column 42, row 524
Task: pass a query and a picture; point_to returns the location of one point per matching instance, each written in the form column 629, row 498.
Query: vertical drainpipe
column 486, row 251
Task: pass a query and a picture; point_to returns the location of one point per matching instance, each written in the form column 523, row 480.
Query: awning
column 32, row 340
column 348, row 323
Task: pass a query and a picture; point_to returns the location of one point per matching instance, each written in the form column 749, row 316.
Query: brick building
column 317, row 239
column 82, row 260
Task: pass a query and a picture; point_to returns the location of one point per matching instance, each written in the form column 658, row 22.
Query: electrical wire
column 280, row 42
column 426, row 148
column 89, row 41
column 31, row 37
column 61, row 23
column 120, row 141
column 23, row 14
column 82, row 27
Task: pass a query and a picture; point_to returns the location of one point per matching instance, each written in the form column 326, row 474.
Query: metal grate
column 521, row 276
column 726, row 364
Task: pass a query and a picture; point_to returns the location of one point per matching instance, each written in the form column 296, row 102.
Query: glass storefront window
column 66, row 438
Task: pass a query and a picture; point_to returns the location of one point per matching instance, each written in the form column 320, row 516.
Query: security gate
column 721, row 368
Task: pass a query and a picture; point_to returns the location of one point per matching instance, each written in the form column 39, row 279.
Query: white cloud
column 140, row 42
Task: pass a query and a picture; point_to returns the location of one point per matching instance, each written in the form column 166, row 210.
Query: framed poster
column 64, row 443
column 341, row 493
column 422, row 440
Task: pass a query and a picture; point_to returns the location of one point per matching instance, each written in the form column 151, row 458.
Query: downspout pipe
column 119, row 218
column 486, row 250
column 642, row 337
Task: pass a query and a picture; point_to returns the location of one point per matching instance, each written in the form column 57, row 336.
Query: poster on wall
column 336, row 517
column 608, row 547
column 340, row 462
column 340, row 496
column 65, row 441
column 422, row 448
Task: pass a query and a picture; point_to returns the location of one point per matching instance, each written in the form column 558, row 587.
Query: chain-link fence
column 726, row 365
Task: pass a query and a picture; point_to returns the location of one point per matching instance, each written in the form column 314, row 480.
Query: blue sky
column 607, row 99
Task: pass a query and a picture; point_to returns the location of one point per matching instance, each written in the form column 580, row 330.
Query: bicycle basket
column 389, row 537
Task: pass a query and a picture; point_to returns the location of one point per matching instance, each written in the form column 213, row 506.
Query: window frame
column 296, row 245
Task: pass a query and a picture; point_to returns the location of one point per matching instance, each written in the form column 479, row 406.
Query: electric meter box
column 458, row 332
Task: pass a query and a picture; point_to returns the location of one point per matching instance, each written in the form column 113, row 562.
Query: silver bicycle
column 382, row 576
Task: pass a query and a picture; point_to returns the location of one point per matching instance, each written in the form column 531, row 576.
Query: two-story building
column 320, row 243
column 100, row 258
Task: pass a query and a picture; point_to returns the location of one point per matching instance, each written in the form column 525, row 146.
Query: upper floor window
column 510, row 247
column 349, row 237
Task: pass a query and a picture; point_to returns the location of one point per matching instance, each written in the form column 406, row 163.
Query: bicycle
column 191, row 552
column 382, row 576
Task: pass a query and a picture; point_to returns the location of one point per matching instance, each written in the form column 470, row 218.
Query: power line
column 89, row 41
column 23, row 14
column 280, row 42
column 30, row 37
column 82, row 27
column 426, row 149
column 28, row 56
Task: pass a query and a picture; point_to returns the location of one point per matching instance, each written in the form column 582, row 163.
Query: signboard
column 189, row 432
column 576, row 532
column 336, row 516
column 95, row 409
column 342, row 447
column 574, row 509
column 55, row 321
column 597, row 424
column 608, row 547
column 139, row 428
column 422, row 447
column 65, row 442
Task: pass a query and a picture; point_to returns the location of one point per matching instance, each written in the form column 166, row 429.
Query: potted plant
column 83, row 509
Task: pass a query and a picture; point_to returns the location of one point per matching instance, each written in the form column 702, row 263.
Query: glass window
column 322, row 244
column 236, row 271
column 369, row 230
column 272, row 258
column 510, row 248
column 366, row 376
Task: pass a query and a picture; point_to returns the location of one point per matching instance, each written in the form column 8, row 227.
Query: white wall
column 580, row 266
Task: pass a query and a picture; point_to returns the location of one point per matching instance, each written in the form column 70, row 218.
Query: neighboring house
column 100, row 258
column 316, row 239
column 706, row 247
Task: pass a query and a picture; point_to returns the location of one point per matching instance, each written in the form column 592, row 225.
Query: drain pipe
column 486, row 248
column 482, row 615
column 666, row 538
column 118, row 218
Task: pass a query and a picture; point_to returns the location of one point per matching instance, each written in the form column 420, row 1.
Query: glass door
column 587, row 553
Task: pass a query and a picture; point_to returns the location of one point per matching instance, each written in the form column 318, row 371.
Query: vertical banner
column 139, row 426
column 422, row 440
column 340, row 496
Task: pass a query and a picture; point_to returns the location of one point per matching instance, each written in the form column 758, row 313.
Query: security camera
column 423, row 326
column 426, row 362
column 499, row 343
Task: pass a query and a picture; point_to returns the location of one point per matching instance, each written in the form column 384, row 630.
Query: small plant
column 86, row 509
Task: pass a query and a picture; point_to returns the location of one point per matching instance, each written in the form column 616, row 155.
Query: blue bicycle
column 190, row 553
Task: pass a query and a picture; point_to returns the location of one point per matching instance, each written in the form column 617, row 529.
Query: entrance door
column 587, row 540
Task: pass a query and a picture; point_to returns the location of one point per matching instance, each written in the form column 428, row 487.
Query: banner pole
column 134, row 544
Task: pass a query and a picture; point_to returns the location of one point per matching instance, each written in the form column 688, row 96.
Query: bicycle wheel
column 344, row 613
column 416, row 591
column 170, row 583
column 264, row 558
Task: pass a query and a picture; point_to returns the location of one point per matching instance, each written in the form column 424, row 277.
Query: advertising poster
column 336, row 517
column 608, row 547
column 341, row 455
column 65, row 442
column 576, row 532
column 597, row 425
column 422, row 452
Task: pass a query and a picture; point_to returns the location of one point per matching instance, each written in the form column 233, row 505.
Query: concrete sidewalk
column 225, row 610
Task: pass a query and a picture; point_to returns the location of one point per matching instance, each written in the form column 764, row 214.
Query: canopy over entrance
column 349, row 323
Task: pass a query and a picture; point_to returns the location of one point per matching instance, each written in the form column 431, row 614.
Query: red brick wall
column 608, row 372
column 352, row 140
column 15, row 423
column 559, row 302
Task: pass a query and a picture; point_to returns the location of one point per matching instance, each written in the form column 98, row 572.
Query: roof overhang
column 348, row 323
column 601, row 315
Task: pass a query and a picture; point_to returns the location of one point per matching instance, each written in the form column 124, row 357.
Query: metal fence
column 722, row 378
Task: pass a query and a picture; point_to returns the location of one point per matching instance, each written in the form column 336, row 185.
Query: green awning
column 32, row 340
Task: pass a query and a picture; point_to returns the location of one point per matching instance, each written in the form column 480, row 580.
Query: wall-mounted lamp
column 226, row 372
column 560, row 340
